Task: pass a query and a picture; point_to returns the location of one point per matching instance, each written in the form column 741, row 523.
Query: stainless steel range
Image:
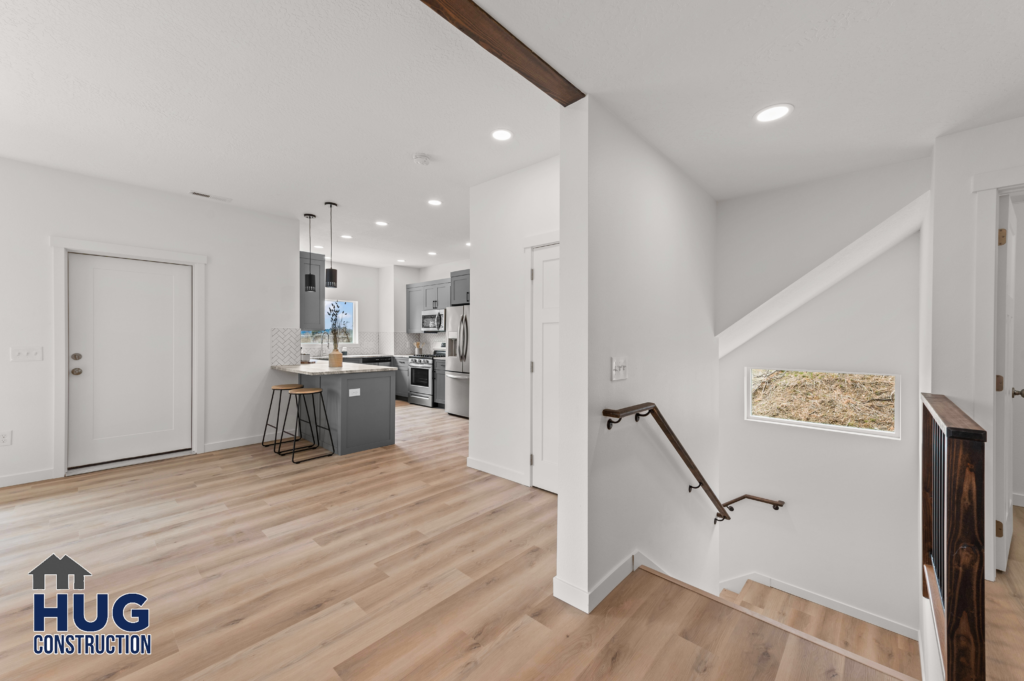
column 421, row 380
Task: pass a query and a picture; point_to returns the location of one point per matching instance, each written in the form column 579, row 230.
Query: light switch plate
column 5, row 438
column 354, row 392
column 619, row 372
column 26, row 354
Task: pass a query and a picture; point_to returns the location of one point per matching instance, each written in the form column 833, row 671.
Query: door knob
column 1016, row 393
column 76, row 371
column 76, row 356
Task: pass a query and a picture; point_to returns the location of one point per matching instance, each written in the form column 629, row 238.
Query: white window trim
column 894, row 435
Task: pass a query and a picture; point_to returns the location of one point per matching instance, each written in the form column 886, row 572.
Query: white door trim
column 60, row 247
column 532, row 242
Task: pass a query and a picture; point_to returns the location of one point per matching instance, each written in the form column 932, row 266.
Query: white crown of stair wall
column 284, row 347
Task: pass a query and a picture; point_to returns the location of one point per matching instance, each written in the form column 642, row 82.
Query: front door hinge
column 999, row 523
column 1002, row 237
column 531, row 463
column 999, row 383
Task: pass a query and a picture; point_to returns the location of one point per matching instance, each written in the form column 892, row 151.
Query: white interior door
column 130, row 340
column 544, row 355
column 1004, row 402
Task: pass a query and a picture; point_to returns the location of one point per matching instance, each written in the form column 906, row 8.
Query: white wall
column 252, row 286
column 849, row 531
column 765, row 242
column 444, row 270
column 646, row 233
column 362, row 284
column 502, row 213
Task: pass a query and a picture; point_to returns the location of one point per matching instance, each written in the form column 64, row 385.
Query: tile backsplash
column 318, row 344
column 284, row 347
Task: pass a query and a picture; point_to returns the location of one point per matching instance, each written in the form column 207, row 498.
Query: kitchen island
column 360, row 403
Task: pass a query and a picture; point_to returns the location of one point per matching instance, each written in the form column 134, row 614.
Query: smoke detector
column 421, row 159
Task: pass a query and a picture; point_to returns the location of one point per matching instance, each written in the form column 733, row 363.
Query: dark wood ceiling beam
column 469, row 18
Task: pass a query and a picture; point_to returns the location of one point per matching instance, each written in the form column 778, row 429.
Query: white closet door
column 131, row 323
column 544, row 353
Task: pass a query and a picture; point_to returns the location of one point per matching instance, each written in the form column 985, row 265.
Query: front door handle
column 1016, row 393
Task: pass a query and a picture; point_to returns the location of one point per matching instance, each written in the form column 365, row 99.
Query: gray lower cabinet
column 402, row 377
column 311, row 303
column 439, row 382
column 460, row 287
column 360, row 409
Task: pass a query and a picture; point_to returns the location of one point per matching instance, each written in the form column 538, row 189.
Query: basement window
column 866, row 404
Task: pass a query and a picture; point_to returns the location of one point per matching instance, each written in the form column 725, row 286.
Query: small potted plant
column 336, row 358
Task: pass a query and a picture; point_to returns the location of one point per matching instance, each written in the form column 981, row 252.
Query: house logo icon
column 63, row 568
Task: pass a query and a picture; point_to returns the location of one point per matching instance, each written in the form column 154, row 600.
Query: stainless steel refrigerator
column 456, row 374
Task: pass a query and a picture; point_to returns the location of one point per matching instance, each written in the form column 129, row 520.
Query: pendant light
column 331, row 278
column 310, row 277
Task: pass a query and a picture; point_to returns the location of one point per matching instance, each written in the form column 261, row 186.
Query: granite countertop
column 321, row 369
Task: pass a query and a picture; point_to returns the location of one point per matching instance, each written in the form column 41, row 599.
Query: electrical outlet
column 5, row 438
column 619, row 369
column 26, row 354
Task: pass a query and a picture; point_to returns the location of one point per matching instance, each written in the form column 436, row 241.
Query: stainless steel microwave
column 432, row 321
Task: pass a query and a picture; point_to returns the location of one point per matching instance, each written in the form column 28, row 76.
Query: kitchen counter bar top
column 324, row 369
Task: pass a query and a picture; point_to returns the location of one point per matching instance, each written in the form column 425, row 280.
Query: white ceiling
column 278, row 106
column 873, row 81
column 281, row 106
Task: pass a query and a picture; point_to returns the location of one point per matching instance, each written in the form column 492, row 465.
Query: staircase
column 672, row 630
column 867, row 640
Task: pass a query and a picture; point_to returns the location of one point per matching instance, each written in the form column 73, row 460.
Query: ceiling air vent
column 211, row 197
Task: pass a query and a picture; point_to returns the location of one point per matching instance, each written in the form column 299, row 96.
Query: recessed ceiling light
column 467, row 243
column 774, row 113
column 431, row 253
column 317, row 246
column 401, row 261
column 381, row 223
column 345, row 236
column 434, row 202
column 501, row 135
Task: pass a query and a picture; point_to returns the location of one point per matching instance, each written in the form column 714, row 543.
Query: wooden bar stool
column 276, row 390
column 304, row 397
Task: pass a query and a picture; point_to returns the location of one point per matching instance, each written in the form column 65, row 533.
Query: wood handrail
column 651, row 409
column 951, row 419
column 774, row 504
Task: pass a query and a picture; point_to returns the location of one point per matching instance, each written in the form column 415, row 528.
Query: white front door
column 130, row 342
column 544, row 355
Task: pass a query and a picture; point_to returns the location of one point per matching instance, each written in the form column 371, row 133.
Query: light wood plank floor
column 1004, row 613
column 397, row 563
column 860, row 637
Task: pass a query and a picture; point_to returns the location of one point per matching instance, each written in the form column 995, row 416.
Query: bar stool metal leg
column 277, row 421
column 315, row 427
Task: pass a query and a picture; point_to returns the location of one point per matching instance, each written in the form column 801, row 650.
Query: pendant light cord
column 331, row 208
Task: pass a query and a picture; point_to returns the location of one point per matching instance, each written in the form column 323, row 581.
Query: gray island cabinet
column 360, row 402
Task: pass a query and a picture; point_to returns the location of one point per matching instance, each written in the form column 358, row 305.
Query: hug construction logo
column 87, row 640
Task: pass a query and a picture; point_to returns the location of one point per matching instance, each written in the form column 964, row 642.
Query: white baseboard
column 736, row 584
column 25, row 478
column 1018, row 499
column 500, row 471
column 587, row 601
column 229, row 444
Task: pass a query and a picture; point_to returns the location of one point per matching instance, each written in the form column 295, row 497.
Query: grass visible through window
column 851, row 400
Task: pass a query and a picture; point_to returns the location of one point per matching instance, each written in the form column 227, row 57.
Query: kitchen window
column 347, row 321
column 866, row 404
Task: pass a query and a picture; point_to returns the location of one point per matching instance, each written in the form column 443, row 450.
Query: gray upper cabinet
column 415, row 303
column 427, row 295
column 460, row 287
column 311, row 303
